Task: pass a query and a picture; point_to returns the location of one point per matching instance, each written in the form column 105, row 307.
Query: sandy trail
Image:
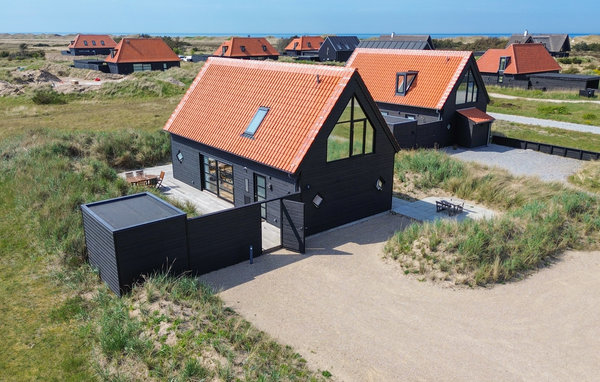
column 347, row 311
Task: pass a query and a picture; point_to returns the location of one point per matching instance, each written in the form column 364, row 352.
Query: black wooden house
column 141, row 54
column 337, row 48
column 250, row 131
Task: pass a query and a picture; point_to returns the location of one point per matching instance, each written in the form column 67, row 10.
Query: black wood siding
column 89, row 51
column 222, row 239
column 509, row 80
column 542, row 83
column 101, row 250
column 279, row 183
column 128, row 67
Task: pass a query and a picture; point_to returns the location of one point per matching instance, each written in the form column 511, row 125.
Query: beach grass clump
column 588, row 177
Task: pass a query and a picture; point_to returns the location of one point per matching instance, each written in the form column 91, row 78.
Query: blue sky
column 295, row 16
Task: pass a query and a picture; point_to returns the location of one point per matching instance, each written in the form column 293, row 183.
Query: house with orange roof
column 430, row 98
column 251, row 131
column 141, row 54
column 252, row 48
column 305, row 46
column 91, row 44
column 513, row 66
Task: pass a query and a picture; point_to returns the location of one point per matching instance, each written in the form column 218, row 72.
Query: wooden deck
column 205, row 202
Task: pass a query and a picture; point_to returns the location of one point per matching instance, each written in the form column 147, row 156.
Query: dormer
column 404, row 80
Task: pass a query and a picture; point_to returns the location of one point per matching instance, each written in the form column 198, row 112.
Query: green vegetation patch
column 566, row 112
column 588, row 177
column 534, row 93
column 537, row 222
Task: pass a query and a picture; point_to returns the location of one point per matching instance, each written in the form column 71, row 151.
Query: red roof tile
column 142, row 50
column 524, row 58
column 302, row 43
column 98, row 39
column 253, row 47
column 476, row 115
column 226, row 94
column 438, row 72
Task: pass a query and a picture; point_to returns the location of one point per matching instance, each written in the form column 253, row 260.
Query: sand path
column 347, row 311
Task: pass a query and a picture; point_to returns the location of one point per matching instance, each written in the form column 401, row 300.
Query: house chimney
column 392, row 35
column 526, row 32
column 318, row 81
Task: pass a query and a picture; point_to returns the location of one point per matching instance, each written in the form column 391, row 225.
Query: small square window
column 379, row 184
column 317, row 200
column 180, row 156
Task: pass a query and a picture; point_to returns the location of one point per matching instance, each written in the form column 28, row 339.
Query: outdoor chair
column 129, row 174
column 139, row 173
column 160, row 179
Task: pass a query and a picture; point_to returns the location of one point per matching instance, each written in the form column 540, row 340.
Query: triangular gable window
column 256, row 121
column 404, row 80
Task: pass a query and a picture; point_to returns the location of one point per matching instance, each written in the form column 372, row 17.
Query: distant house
column 393, row 41
column 441, row 90
column 140, row 54
column 337, row 48
column 247, row 131
column 91, row 44
column 257, row 48
column 514, row 65
column 558, row 45
column 305, row 46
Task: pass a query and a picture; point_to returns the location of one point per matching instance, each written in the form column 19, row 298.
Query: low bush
column 571, row 70
column 570, row 60
column 589, row 116
column 48, row 96
column 552, row 109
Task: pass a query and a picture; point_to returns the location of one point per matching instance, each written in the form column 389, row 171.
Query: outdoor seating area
column 451, row 208
column 140, row 178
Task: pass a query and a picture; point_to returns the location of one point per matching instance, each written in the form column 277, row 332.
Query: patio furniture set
column 139, row 178
column 451, row 208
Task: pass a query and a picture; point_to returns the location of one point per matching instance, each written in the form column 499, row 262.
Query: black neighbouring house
column 337, row 48
column 393, row 41
column 250, row 131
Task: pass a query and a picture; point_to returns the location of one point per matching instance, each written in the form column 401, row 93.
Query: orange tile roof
column 438, row 72
column 253, row 47
column 80, row 38
column 476, row 115
column 315, row 43
column 524, row 58
column 142, row 50
column 226, row 94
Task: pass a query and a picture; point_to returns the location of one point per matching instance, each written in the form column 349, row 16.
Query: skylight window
column 243, row 48
column 85, row 42
column 256, row 121
column 102, row 42
column 504, row 60
column 309, row 45
column 404, row 81
column 94, row 42
column 264, row 48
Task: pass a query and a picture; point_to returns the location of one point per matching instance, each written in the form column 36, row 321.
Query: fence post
column 251, row 255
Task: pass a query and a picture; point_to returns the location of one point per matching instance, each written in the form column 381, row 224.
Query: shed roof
column 241, row 47
column 524, row 59
column 100, row 40
column 438, row 72
column 142, row 50
column 305, row 43
column 227, row 93
column 476, row 115
column 566, row 76
column 132, row 210
column 392, row 44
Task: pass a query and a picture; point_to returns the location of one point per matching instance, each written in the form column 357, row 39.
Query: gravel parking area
column 520, row 162
column 347, row 311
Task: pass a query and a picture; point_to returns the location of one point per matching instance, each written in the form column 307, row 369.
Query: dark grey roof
column 519, row 39
column 342, row 43
column 408, row 37
column 552, row 42
column 132, row 210
column 566, row 76
column 389, row 44
column 393, row 120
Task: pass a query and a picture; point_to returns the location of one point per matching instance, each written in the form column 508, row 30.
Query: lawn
column 549, row 135
column 583, row 113
column 531, row 93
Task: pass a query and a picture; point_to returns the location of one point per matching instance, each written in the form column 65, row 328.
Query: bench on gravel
column 451, row 208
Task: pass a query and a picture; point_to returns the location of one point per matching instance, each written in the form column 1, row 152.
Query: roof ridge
column 459, row 70
column 415, row 52
column 272, row 65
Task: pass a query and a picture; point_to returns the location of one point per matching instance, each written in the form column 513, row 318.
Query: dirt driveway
column 347, row 311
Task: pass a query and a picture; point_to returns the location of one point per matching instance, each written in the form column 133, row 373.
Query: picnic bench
column 451, row 208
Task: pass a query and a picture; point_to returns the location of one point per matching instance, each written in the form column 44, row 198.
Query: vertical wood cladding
column 292, row 225
column 127, row 68
column 222, row 239
column 100, row 245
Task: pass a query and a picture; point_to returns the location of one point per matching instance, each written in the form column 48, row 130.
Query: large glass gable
column 352, row 135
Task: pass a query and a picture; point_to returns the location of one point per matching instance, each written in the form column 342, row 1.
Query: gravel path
column 520, row 162
column 346, row 310
column 505, row 96
column 547, row 123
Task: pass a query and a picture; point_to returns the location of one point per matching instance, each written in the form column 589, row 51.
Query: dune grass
column 539, row 94
column 588, row 177
column 566, row 112
column 538, row 222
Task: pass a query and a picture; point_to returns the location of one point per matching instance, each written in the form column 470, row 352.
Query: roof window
column 243, row 48
column 404, row 80
column 223, row 50
column 264, row 48
column 94, row 42
column 102, row 42
column 309, row 44
column 504, row 61
column 85, row 42
column 256, row 121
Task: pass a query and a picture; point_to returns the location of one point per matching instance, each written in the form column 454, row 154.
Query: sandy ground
column 348, row 311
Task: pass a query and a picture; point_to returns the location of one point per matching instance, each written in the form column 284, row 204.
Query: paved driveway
column 347, row 311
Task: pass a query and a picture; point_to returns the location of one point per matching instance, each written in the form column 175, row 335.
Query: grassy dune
column 584, row 113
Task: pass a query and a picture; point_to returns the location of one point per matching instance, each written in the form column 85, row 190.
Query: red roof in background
column 97, row 38
column 227, row 93
column 315, row 43
column 524, row 58
column 253, row 47
column 142, row 50
column 438, row 72
column 476, row 115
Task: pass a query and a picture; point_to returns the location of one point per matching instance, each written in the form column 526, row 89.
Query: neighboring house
column 415, row 42
column 257, row 48
column 558, row 45
column 514, row 65
column 91, row 44
column 305, row 46
column 337, row 48
column 250, row 131
column 441, row 90
column 140, row 54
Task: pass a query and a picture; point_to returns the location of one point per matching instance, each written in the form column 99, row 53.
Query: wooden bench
column 452, row 208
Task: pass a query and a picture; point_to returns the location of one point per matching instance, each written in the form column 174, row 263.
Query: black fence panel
column 546, row 148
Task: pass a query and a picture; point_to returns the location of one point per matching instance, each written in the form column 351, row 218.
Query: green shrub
column 552, row 109
column 571, row 71
column 48, row 97
column 589, row 116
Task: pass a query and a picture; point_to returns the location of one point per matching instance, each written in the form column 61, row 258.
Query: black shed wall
column 101, row 250
column 127, row 68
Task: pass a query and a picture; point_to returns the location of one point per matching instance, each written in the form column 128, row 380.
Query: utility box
column 587, row 92
column 134, row 235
